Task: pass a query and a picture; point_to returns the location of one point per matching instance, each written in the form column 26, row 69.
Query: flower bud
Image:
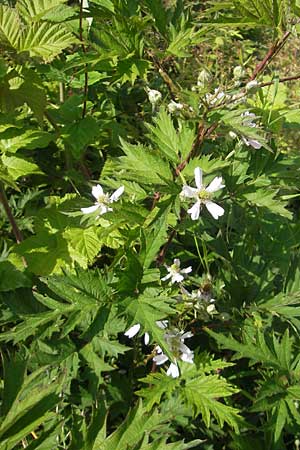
column 238, row 72
column 154, row 96
column 252, row 85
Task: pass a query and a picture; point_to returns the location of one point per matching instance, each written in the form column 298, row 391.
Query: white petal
column 215, row 185
column 90, row 209
column 146, row 338
column 114, row 197
column 184, row 349
column 198, row 177
column 177, row 278
column 215, row 210
column 162, row 324
column 187, row 270
column 177, row 262
column 97, row 191
column 103, row 209
column 187, row 335
column 255, row 144
column 160, row 359
column 194, row 211
column 166, row 277
column 188, row 192
column 132, row 331
column 187, row 357
column 173, row 371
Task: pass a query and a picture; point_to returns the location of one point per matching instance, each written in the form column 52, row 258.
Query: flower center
column 174, row 268
column 103, row 199
column 174, row 344
column 204, row 195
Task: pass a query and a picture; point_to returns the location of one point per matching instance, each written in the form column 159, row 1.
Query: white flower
column 174, row 107
column 175, row 341
column 154, row 96
column 175, row 273
column 102, row 200
column 203, row 196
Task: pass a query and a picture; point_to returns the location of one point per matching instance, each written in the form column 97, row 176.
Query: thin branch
column 86, row 76
column 272, row 52
column 16, row 231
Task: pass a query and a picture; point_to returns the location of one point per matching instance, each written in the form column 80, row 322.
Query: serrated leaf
column 29, row 139
column 143, row 165
column 81, row 134
column 10, row 26
column 84, row 241
column 11, row 278
column 19, row 167
column 45, row 40
column 164, row 135
column 34, row 10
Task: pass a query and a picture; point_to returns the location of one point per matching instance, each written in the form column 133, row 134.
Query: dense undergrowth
column 149, row 195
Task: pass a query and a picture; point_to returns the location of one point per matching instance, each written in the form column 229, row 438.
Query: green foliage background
column 74, row 112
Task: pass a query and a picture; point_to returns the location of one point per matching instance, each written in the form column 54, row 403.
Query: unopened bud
column 251, row 85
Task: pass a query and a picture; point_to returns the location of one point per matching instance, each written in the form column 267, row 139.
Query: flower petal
column 194, row 211
column 215, row 185
column 103, row 209
column 188, row 192
column 114, row 197
column 198, row 177
column 146, row 338
column 177, row 278
column 90, row 209
column 177, row 262
column 97, row 191
column 187, row 270
column 187, row 357
column 160, row 359
column 132, row 331
column 215, row 210
column 255, row 144
column 187, row 335
column 166, row 277
column 162, row 324
column 173, row 370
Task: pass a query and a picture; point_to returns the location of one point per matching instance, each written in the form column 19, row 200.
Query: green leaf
column 29, row 139
column 84, row 241
column 158, row 385
column 143, row 165
column 154, row 235
column 203, row 394
column 11, row 278
column 31, row 408
column 45, row 40
column 164, row 136
column 34, row 10
column 81, row 134
column 19, row 167
column 10, row 27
